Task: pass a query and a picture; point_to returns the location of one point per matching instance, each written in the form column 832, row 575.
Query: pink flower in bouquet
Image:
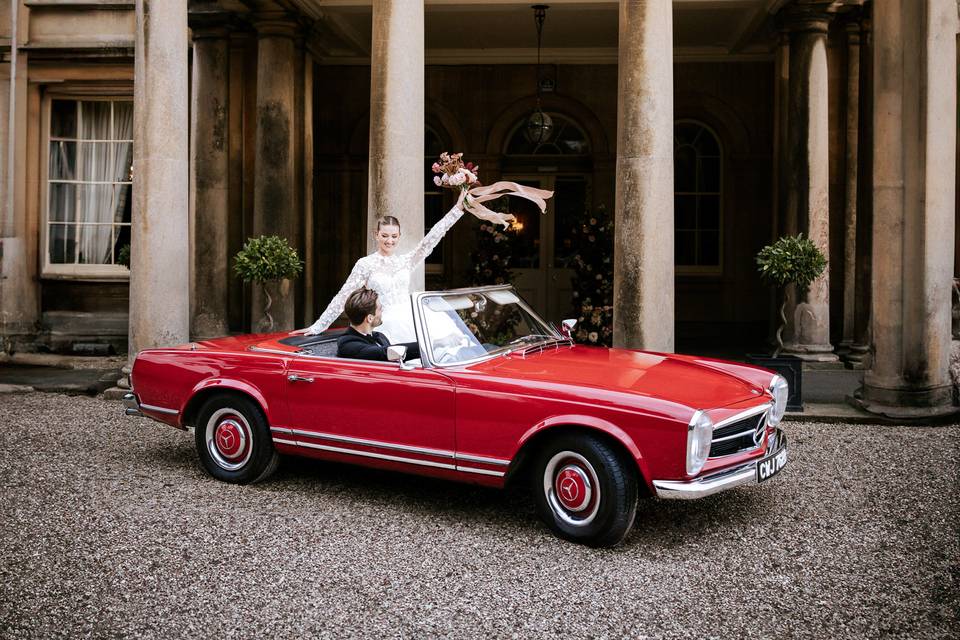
column 453, row 173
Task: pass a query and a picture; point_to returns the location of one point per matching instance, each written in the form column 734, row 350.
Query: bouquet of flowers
column 454, row 173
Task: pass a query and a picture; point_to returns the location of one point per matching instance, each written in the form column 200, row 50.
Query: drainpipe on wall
column 7, row 229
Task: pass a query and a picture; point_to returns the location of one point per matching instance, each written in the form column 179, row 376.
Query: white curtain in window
column 123, row 159
column 102, row 163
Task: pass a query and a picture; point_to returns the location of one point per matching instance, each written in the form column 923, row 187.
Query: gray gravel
column 108, row 528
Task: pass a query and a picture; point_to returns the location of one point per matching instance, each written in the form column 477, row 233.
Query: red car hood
column 647, row 374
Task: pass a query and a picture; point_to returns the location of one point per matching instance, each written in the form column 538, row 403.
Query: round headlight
column 779, row 389
column 699, row 438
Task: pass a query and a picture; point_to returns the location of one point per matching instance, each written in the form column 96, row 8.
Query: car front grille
column 738, row 436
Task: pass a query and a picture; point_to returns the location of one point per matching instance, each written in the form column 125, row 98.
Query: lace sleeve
column 434, row 236
column 356, row 279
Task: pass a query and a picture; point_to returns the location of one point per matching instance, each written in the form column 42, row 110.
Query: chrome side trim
column 752, row 411
column 742, row 474
column 289, row 354
column 440, row 453
column 150, row 407
column 483, row 460
column 485, row 472
column 378, row 456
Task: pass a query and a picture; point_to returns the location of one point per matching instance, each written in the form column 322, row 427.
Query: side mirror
column 566, row 328
column 396, row 353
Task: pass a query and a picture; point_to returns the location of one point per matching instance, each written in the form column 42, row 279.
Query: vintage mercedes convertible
column 497, row 396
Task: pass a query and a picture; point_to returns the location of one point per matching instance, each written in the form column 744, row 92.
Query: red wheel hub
column 230, row 438
column 572, row 487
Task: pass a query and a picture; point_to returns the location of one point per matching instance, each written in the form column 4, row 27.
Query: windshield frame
column 425, row 342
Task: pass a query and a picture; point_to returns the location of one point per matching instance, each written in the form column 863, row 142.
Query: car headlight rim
column 779, row 390
column 699, row 439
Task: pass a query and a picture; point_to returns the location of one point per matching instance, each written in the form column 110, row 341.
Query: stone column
column 211, row 73
column 643, row 315
column 159, row 269
column 807, row 174
column 19, row 293
column 859, row 355
column 275, row 178
column 914, row 123
column 397, row 122
column 851, row 159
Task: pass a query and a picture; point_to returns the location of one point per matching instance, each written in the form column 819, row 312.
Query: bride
column 389, row 274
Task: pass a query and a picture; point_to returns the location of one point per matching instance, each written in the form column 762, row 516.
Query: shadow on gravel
column 663, row 524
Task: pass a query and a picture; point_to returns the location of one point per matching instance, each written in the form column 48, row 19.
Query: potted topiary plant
column 264, row 260
column 790, row 260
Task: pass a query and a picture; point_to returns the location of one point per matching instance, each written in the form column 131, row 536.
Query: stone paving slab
column 59, row 380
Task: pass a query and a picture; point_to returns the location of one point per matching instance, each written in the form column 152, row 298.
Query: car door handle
column 295, row 378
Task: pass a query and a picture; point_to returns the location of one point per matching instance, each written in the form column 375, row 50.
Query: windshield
column 468, row 326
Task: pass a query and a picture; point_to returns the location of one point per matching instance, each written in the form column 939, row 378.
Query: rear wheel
column 233, row 440
column 585, row 489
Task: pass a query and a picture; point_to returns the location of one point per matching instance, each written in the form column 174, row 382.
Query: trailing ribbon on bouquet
column 472, row 200
column 454, row 174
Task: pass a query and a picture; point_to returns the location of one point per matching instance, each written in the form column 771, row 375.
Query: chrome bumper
column 716, row 482
column 131, row 405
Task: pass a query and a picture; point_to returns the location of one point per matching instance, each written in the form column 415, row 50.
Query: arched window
column 697, row 186
column 565, row 138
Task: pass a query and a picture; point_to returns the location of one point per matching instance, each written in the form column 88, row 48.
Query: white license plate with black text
column 771, row 465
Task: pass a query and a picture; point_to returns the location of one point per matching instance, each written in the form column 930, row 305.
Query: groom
column 360, row 341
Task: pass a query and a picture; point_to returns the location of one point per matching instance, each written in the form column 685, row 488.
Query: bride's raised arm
column 434, row 236
column 356, row 279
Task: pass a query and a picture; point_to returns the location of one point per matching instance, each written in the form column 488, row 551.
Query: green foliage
column 124, row 256
column 593, row 278
column 266, row 258
column 791, row 260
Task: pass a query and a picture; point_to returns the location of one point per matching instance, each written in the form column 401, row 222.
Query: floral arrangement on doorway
column 593, row 278
column 494, row 247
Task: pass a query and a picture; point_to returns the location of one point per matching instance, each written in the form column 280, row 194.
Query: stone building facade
column 168, row 132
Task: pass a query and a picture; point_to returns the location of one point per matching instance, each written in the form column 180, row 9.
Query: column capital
column 807, row 16
column 275, row 24
column 208, row 20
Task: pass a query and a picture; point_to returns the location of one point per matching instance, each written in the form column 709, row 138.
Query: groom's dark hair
column 360, row 304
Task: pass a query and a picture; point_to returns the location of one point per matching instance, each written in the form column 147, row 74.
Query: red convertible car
column 497, row 396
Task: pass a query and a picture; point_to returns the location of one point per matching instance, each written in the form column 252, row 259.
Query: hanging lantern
column 539, row 127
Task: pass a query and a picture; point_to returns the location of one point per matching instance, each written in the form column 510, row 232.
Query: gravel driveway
column 108, row 528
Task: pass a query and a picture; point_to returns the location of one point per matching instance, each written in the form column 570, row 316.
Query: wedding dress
column 389, row 276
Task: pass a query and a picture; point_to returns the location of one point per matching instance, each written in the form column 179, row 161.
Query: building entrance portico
column 309, row 119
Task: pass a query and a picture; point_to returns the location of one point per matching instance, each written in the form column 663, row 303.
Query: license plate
column 771, row 465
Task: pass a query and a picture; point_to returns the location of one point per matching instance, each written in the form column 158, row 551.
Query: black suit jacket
column 353, row 344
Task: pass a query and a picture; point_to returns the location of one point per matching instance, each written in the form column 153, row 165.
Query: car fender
column 235, row 385
column 591, row 422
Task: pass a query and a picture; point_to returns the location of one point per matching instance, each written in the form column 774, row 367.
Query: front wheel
column 586, row 490
column 233, row 440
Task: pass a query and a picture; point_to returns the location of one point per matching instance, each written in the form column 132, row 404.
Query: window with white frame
column 89, row 181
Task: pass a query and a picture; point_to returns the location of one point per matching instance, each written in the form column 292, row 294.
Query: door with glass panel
column 543, row 249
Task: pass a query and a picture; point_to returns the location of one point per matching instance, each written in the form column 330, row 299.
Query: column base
column 905, row 404
column 858, row 357
column 812, row 353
